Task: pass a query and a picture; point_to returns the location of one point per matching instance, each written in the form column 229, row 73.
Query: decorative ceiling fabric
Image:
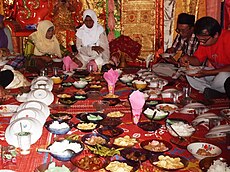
column 142, row 20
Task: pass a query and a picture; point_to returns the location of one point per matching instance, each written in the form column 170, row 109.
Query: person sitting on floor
column 186, row 40
column 92, row 43
column 214, row 46
column 46, row 44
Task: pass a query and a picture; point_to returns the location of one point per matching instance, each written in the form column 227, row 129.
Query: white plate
column 22, row 97
column 218, row 131
column 44, row 78
column 194, row 108
column 41, row 95
column 174, row 107
column 26, row 124
column 7, row 171
column 57, row 60
column 204, row 118
column 45, row 84
column 36, row 104
column 30, row 112
column 8, row 110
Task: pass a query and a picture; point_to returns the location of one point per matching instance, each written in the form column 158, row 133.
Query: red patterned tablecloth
column 27, row 163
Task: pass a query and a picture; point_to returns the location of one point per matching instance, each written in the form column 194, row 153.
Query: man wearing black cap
column 185, row 40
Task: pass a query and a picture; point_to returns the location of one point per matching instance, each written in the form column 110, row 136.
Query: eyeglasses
column 182, row 30
column 204, row 41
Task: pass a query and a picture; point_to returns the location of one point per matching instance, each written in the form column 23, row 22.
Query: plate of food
column 125, row 141
column 94, row 139
column 89, row 162
column 112, row 122
column 86, row 126
column 8, row 110
column 58, row 127
column 135, row 154
column 68, row 101
column 167, row 107
column 67, row 84
column 156, row 146
column 149, row 126
column 169, row 162
column 115, row 114
column 213, row 164
column 61, row 116
column 122, row 165
column 110, row 131
column 91, row 116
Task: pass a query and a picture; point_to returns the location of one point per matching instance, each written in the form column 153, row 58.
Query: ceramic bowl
column 140, row 85
column 159, row 114
column 101, row 105
column 58, row 127
column 80, row 84
column 207, row 149
column 56, row 79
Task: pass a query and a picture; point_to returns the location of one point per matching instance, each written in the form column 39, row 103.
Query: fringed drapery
column 227, row 14
column 142, row 20
column 1, row 8
column 111, row 20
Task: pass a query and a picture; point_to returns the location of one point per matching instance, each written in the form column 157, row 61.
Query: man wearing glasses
column 214, row 46
column 185, row 40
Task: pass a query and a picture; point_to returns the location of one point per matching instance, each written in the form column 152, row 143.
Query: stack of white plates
column 35, row 104
column 218, row 131
column 25, row 124
column 203, row 118
column 30, row 112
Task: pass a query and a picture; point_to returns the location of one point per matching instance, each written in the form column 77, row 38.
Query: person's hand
column 98, row 49
column 115, row 60
column 202, row 73
column 184, row 61
column 78, row 62
column 92, row 65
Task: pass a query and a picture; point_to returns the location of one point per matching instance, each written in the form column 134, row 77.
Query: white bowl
column 22, row 97
column 194, row 147
column 126, row 79
column 41, row 95
column 80, row 84
column 57, row 60
column 168, row 93
column 45, row 84
column 8, row 110
column 167, row 107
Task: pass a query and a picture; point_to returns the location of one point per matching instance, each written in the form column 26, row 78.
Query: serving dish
column 168, row 162
column 58, row 127
column 158, row 114
column 46, row 166
column 86, row 126
column 192, row 108
column 91, row 116
column 135, row 154
column 218, row 131
column 156, row 146
column 89, row 162
column 67, row 101
column 201, row 150
column 112, row 101
column 149, row 126
column 61, row 116
column 205, row 163
column 112, row 122
column 167, row 107
column 8, row 110
column 124, row 165
column 94, row 139
column 80, row 84
column 41, row 95
column 110, row 131
column 57, row 149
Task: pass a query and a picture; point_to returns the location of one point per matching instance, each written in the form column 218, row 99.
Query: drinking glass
column 24, row 142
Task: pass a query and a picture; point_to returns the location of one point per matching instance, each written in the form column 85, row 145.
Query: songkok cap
column 184, row 18
column 6, row 77
column 1, row 18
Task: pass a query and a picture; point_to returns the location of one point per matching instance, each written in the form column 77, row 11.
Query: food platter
column 135, row 154
column 110, row 131
column 61, row 116
column 86, row 126
column 91, row 116
column 8, row 110
column 89, row 162
column 58, row 127
column 112, row 122
column 94, row 138
column 149, row 126
column 156, row 146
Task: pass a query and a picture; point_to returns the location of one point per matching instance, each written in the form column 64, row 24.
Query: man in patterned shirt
column 185, row 41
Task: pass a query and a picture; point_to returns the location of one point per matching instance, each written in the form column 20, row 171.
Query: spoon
column 154, row 114
column 66, row 152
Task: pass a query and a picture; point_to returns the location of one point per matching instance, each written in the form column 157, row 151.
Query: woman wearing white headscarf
column 92, row 42
column 44, row 40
